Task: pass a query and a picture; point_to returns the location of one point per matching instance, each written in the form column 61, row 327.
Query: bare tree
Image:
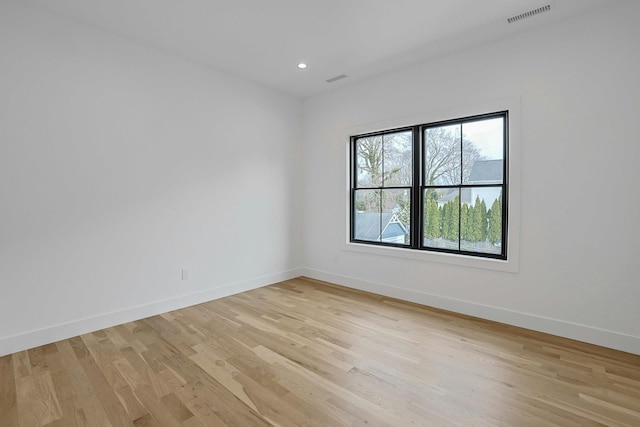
column 385, row 160
column 447, row 161
column 370, row 155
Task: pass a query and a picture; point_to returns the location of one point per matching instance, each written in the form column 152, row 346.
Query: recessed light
column 302, row 65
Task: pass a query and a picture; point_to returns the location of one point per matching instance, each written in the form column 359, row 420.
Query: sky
column 486, row 135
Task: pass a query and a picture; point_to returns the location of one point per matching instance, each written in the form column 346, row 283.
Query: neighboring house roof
column 368, row 226
column 466, row 196
column 451, row 195
column 486, row 172
column 482, row 172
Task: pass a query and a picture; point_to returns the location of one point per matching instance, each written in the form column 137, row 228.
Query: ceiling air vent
column 529, row 14
column 336, row 78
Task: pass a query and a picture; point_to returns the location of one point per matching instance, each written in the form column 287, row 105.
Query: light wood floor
column 304, row 352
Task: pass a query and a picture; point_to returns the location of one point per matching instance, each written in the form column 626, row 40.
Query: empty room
column 319, row 213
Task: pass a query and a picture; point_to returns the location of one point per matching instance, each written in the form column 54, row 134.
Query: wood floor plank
column 305, row 352
column 21, row 364
column 37, row 400
column 8, row 398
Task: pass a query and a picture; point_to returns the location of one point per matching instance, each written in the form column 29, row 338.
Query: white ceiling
column 263, row 40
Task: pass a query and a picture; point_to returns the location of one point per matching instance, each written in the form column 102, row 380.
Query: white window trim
column 511, row 264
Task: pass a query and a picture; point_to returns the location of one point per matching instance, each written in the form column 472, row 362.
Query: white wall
column 580, row 153
column 121, row 165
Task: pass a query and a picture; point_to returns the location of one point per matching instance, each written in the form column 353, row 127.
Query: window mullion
column 416, row 193
column 460, row 186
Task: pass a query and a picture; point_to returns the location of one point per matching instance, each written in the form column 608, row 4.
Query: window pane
column 369, row 158
column 367, row 215
column 382, row 215
column 396, row 216
column 442, row 155
column 441, row 218
column 481, row 220
column 398, row 152
column 483, row 151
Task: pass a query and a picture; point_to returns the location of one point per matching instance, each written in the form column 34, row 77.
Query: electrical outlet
column 185, row 274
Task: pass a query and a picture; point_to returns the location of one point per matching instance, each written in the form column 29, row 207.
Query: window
column 433, row 187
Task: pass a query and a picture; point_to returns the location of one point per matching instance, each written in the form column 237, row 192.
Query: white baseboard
column 593, row 335
column 35, row 338
column 584, row 333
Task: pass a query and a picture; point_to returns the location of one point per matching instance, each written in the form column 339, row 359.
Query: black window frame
column 418, row 187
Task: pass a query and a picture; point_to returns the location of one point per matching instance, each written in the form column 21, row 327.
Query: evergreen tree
column 455, row 219
column 464, row 222
column 450, row 220
column 444, row 220
column 485, row 223
column 495, row 221
column 471, row 234
column 431, row 220
column 479, row 220
column 476, row 222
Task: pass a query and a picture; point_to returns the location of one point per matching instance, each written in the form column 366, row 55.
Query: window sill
column 509, row 265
